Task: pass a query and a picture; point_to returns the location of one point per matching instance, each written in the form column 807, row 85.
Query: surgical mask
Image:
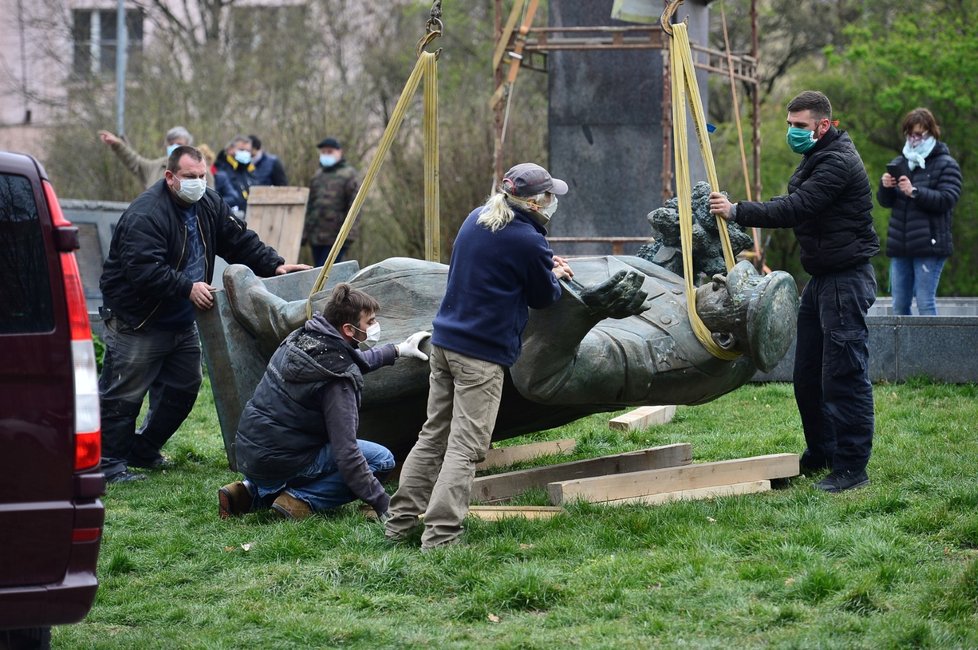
column 243, row 156
column 549, row 209
column 191, row 189
column 373, row 336
column 170, row 148
column 327, row 160
column 800, row 140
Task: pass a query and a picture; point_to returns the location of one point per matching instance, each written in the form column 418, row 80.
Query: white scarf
column 916, row 155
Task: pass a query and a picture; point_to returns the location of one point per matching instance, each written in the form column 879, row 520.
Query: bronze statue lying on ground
column 620, row 336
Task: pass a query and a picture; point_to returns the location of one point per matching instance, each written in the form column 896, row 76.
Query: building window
column 94, row 39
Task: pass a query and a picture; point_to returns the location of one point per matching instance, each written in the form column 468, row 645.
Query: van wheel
column 32, row 638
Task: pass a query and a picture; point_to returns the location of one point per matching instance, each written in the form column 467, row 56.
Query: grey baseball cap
column 530, row 179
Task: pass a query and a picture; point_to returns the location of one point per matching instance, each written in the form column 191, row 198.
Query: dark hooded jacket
column 310, row 397
column 829, row 204
column 149, row 251
column 920, row 226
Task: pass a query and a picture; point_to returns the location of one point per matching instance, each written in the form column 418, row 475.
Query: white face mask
column 243, row 156
column 549, row 209
column 373, row 336
column 191, row 189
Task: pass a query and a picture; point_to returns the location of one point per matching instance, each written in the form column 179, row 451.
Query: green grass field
column 893, row 565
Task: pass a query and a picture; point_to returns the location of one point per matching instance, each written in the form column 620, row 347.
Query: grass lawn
column 890, row 566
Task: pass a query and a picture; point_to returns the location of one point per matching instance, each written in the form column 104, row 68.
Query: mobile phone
column 894, row 171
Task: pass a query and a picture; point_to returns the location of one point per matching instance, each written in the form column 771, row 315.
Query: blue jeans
column 915, row 277
column 831, row 375
column 320, row 484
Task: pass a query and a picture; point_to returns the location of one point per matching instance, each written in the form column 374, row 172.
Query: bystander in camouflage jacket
column 331, row 193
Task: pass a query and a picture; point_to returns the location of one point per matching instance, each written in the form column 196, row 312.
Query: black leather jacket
column 148, row 252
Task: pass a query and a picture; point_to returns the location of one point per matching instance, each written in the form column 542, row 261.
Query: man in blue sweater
column 501, row 266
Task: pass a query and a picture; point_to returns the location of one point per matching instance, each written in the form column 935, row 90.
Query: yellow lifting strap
column 683, row 78
column 427, row 67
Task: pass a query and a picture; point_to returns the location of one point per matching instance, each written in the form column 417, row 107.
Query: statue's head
column 755, row 314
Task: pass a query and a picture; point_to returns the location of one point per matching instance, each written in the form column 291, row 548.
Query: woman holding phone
column 921, row 186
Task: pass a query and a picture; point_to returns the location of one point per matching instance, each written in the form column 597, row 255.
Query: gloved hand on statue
column 411, row 346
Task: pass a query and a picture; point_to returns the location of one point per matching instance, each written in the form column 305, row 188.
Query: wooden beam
column 514, row 15
column 502, row 456
column 672, row 479
column 642, row 418
column 750, row 487
column 487, row 489
column 495, row 513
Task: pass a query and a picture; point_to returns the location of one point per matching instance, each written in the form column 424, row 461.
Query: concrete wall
column 942, row 348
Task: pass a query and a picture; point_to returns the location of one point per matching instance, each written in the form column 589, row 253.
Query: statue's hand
column 619, row 296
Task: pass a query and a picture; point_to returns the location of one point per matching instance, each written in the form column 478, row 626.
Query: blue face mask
column 170, row 148
column 243, row 156
column 800, row 140
column 327, row 160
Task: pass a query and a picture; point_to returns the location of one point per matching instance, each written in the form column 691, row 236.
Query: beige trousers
column 436, row 478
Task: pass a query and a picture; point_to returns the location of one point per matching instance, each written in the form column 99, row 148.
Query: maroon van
column 50, row 440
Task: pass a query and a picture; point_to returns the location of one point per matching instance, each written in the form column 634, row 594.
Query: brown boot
column 291, row 508
column 234, row 500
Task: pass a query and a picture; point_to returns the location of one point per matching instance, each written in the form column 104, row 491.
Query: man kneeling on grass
column 297, row 440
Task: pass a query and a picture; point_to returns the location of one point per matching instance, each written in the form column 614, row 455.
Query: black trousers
column 831, row 374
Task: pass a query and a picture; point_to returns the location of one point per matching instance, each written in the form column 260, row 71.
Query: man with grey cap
column 501, row 266
column 147, row 170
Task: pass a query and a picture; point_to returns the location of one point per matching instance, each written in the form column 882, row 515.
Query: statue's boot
column 266, row 316
column 755, row 314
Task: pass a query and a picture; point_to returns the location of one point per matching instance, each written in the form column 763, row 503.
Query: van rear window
column 25, row 289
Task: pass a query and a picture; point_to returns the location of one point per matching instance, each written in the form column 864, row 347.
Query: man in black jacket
column 829, row 205
column 157, row 274
column 297, row 442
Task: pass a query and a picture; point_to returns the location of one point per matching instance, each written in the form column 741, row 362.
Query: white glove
column 410, row 346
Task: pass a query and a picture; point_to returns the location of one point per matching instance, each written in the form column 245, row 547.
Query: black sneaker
column 842, row 480
column 125, row 476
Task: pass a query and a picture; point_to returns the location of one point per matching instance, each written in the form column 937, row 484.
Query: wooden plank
column 277, row 195
column 508, row 455
column 642, row 418
column 488, row 489
column 514, row 15
column 278, row 215
column 672, row 479
column 495, row 513
column 750, row 487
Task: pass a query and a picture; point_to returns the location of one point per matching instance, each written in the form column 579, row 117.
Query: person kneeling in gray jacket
column 297, row 440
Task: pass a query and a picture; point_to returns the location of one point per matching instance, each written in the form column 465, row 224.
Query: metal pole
column 120, row 68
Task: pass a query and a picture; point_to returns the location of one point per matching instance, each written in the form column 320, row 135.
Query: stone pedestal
column 605, row 121
column 902, row 347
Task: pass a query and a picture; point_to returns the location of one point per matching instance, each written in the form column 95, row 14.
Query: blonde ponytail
column 496, row 213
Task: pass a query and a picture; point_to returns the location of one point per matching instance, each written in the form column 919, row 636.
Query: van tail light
column 88, row 433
